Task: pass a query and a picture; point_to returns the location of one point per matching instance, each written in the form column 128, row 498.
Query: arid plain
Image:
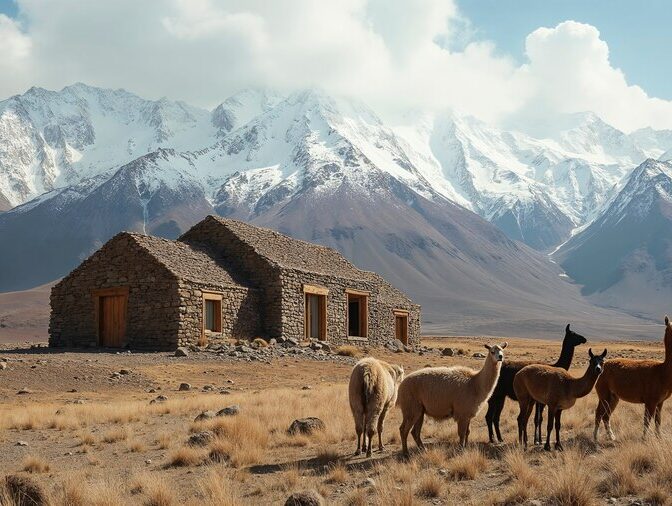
column 86, row 431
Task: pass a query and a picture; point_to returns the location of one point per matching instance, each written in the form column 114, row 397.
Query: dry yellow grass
column 253, row 460
column 34, row 464
column 347, row 350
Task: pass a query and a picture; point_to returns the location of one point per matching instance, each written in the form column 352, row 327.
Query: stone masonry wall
column 240, row 312
column 251, row 266
column 153, row 301
column 381, row 320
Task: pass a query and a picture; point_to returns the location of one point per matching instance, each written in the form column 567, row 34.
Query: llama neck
column 583, row 385
column 487, row 377
column 566, row 356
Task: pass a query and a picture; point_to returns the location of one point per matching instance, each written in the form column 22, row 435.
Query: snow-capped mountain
column 624, row 257
column 78, row 165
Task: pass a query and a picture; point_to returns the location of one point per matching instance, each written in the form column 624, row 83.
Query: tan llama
column 373, row 391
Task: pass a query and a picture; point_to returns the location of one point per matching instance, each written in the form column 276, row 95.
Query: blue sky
column 639, row 33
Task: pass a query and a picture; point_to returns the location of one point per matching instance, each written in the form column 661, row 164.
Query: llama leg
column 599, row 414
column 609, row 408
column 490, row 419
column 522, row 421
column 409, row 421
column 659, row 409
column 416, row 430
column 538, row 420
column 558, row 413
column 371, row 423
column 381, row 422
column 359, row 428
column 463, row 431
column 549, row 429
column 649, row 411
column 499, row 407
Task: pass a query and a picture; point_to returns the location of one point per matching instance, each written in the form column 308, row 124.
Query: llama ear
column 604, row 353
column 567, row 328
column 504, row 344
column 667, row 320
column 487, row 346
column 590, row 353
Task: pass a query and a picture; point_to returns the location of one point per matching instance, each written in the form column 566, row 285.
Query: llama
column 554, row 387
column 447, row 392
column 372, row 391
column 504, row 386
column 647, row 382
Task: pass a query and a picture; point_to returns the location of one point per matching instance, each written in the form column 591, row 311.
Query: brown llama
column 554, row 387
column 647, row 382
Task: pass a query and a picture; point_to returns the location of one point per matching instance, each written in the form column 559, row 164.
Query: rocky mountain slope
column 77, row 166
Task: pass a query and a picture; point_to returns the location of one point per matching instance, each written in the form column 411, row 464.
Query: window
column 358, row 311
column 315, row 309
column 212, row 312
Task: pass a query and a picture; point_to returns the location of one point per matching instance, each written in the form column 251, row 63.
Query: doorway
column 316, row 316
column 112, row 320
column 401, row 326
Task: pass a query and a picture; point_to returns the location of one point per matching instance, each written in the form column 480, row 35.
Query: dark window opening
column 357, row 315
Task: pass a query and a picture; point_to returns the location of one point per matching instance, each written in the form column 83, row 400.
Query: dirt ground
column 86, row 431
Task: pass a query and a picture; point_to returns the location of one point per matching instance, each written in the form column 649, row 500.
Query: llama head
column 572, row 338
column 668, row 333
column 496, row 351
column 596, row 361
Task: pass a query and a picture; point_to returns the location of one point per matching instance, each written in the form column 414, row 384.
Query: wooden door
column 112, row 320
column 401, row 328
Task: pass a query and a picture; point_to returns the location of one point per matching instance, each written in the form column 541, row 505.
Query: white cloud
column 393, row 54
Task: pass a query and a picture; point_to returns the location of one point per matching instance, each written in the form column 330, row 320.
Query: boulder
column 182, row 352
column 184, row 387
column 306, row 425
column 206, row 415
column 305, row 498
column 201, row 438
column 229, row 410
column 448, row 352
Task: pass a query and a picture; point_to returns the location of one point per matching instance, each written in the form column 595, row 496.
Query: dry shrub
column 243, row 439
column 158, row 493
column 33, row 464
column 348, row 350
column 215, row 492
column 358, row 497
column 327, row 456
column 164, row 439
column 115, row 435
column 572, row 481
column 186, row 456
column 219, row 451
column 86, row 439
column 519, row 470
column 429, row 486
column 137, row 446
column 20, row 490
column 72, row 493
column 338, row 474
column 467, row 465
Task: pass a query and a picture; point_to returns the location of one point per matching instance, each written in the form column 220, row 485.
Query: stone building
column 224, row 278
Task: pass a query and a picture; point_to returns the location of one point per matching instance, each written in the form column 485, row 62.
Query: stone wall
column 254, row 269
column 381, row 304
column 153, row 301
column 240, row 312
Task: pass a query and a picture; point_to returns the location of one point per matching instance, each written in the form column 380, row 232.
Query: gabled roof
column 290, row 253
column 188, row 262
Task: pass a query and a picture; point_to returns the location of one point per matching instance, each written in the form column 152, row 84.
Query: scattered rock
column 201, row 438
column 305, row 498
column 184, row 387
column 124, row 372
column 3, row 366
column 72, row 391
column 443, row 472
column 232, row 410
column 448, row 352
column 208, row 388
column 21, row 443
column 158, row 398
column 369, row 482
column 148, row 461
column 292, row 341
column 478, row 354
column 206, row 415
column 24, row 391
column 306, row 387
column 244, row 349
column 306, row 425
column 24, row 491
column 315, row 346
column 181, row 352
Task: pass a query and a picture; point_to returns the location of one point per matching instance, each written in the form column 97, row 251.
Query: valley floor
column 89, row 436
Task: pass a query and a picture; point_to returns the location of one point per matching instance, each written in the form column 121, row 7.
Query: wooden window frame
column 322, row 293
column 217, row 297
column 363, row 314
column 403, row 313
column 96, row 294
